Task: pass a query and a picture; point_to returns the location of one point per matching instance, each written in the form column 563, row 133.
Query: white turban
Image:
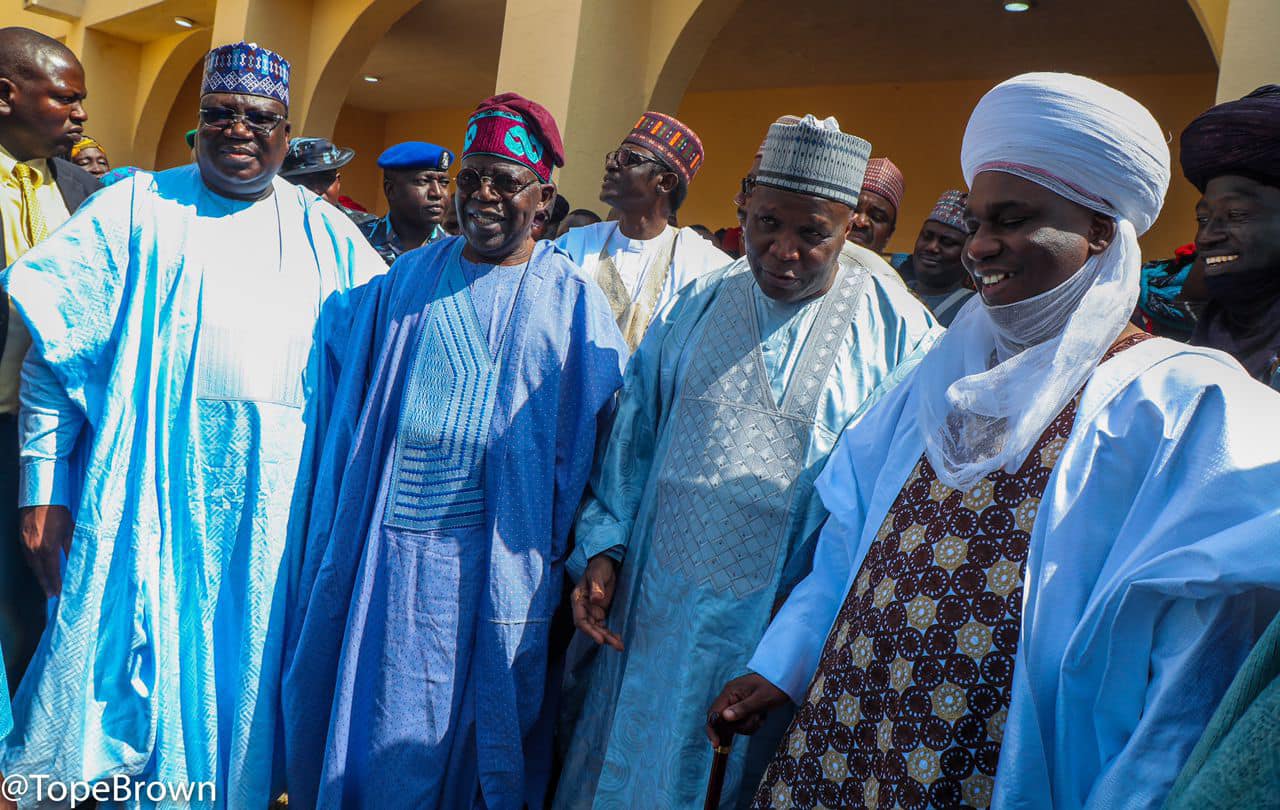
column 1095, row 146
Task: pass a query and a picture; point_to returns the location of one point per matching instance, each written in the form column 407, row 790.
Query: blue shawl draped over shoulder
column 561, row 365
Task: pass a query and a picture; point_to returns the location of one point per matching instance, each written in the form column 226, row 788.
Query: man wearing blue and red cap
column 179, row 375
column 478, row 374
column 641, row 261
column 415, row 179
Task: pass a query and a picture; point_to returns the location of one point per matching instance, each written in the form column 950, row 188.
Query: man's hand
column 742, row 706
column 591, row 599
column 46, row 532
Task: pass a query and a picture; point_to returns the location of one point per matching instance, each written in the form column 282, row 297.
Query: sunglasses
column 625, row 159
column 508, row 185
column 259, row 122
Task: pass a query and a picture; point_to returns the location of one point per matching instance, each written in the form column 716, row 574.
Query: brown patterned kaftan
column 909, row 702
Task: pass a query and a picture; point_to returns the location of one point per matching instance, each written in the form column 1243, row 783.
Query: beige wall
column 172, row 150
column 364, row 132
column 920, row 127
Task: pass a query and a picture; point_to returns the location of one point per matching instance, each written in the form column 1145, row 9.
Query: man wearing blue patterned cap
column 182, row 323
column 415, row 179
column 702, row 516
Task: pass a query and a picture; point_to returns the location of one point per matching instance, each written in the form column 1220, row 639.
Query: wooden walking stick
column 719, row 763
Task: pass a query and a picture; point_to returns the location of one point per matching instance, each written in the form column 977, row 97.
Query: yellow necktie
column 33, row 218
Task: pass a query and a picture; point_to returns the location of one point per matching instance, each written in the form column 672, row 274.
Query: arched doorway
column 906, row 75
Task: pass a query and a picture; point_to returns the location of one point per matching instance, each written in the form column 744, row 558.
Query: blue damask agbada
column 467, row 414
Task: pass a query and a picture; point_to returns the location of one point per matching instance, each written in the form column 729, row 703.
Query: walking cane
column 719, row 762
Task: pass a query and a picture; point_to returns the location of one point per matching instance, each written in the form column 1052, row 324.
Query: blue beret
column 416, row 155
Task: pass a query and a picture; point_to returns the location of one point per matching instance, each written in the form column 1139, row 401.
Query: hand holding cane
column 719, row 762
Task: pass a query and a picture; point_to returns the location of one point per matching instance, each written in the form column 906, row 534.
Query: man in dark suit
column 41, row 115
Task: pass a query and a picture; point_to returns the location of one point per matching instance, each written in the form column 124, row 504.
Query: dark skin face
column 793, row 242
column 637, row 188
column 1238, row 227
column 873, row 221
column 327, row 184
column 499, row 228
column 42, row 115
column 1024, row 239
column 92, row 160
column 235, row 161
column 416, row 198
column 450, row 223
column 937, row 258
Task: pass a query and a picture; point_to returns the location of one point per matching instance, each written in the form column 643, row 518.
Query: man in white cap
column 1045, row 550
column 702, row 515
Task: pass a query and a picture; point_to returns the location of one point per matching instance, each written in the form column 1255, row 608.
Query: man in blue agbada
column 481, row 370
column 179, row 321
column 703, row 510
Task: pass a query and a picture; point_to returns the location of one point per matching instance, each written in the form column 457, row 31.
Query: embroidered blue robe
column 467, row 416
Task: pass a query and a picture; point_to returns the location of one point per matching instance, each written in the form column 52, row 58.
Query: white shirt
column 635, row 258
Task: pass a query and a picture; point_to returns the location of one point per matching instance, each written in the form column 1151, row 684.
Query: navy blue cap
column 416, row 155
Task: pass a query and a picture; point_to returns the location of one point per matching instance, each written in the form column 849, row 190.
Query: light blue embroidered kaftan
column 177, row 347
column 466, row 420
column 705, row 494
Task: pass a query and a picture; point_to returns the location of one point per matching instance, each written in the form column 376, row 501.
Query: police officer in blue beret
column 415, row 179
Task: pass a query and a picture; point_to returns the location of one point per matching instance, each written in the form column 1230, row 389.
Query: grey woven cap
column 810, row 159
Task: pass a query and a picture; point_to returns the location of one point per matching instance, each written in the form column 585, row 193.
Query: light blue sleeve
column 624, row 461
column 622, row 466
column 49, row 426
column 6, row 714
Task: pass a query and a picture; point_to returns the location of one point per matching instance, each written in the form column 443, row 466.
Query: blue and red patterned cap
column 245, row 68
column 672, row 141
column 949, row 209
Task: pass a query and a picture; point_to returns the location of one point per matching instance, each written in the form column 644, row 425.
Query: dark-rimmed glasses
column 508, row 185
column 260, row 122
column 625, row 159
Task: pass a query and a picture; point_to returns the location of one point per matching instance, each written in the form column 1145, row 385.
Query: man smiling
column 702, row 515
column 180, row 322
column 935, row 268
column 478, row 374
column 1232, row 154
column 1032, row 590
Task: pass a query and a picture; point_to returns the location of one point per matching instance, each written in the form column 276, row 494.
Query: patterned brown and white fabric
column 912, row 691
column 633, row 315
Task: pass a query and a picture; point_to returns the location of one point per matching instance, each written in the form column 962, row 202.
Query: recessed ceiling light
column 184, row 22
column 372, row 79
column 1018, row 6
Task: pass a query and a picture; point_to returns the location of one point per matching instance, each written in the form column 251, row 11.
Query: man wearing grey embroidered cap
column 702, row 513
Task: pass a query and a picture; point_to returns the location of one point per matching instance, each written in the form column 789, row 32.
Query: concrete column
column 1250, row 56
column 585, row 62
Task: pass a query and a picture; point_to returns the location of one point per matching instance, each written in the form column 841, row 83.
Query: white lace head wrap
column 1095, row 146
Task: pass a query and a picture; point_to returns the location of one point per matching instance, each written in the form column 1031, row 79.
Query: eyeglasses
column 625, row 159
column 259, row 122
column 508, row 185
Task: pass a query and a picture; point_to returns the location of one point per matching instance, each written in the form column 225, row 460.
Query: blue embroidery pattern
column 438, row 474
column 521, row 144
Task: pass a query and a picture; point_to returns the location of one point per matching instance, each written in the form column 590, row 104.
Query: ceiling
column 155, row 20
column 443, row 53
column 824, row 42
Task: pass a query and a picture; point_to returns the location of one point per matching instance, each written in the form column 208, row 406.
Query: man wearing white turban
column 1048, row 548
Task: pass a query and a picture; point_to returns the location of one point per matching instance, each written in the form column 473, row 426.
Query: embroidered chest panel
column 438, row 475
column 912, row 691
column 726, row 486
